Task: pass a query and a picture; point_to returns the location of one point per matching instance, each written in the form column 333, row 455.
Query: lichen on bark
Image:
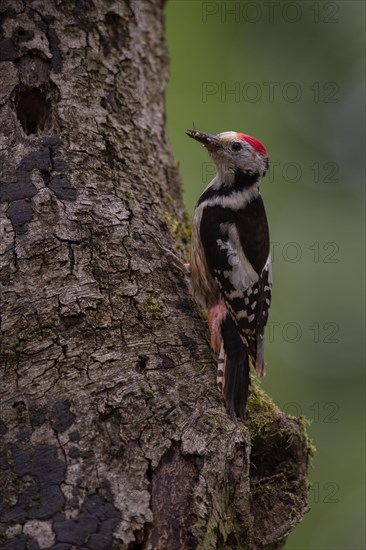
column 112, row 432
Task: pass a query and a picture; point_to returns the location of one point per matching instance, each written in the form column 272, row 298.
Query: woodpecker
column 230, row 261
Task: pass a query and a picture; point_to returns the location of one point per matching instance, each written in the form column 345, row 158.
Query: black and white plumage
column 230, row 260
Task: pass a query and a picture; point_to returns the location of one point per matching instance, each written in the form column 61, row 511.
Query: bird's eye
column 236, row 146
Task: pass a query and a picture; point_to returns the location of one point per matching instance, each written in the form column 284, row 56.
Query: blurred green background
column 292, row 75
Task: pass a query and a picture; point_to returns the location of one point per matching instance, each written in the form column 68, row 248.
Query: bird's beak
column 208, row 140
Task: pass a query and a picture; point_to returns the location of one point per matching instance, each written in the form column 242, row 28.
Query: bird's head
column 234, row 152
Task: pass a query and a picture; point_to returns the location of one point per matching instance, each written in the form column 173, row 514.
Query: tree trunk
column 113, row 434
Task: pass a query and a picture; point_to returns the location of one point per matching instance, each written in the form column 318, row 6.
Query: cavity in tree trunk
column 113, row 434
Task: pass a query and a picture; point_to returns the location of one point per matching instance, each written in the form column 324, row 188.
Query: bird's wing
column 246, row 293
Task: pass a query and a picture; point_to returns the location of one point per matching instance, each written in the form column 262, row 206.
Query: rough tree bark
column 112, row 432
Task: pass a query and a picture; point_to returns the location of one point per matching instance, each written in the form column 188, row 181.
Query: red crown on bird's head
column 257, row 145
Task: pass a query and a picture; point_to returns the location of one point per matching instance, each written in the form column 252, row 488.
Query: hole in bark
column 22, row 35
column 33, row 109
column 134, row 546
column 138, row 543
column 71, row 320
column 149, row 472
column 270, row 456
column 20, row 407
column 142, row 364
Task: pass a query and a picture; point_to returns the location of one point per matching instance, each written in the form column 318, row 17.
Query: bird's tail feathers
column 234, row 366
